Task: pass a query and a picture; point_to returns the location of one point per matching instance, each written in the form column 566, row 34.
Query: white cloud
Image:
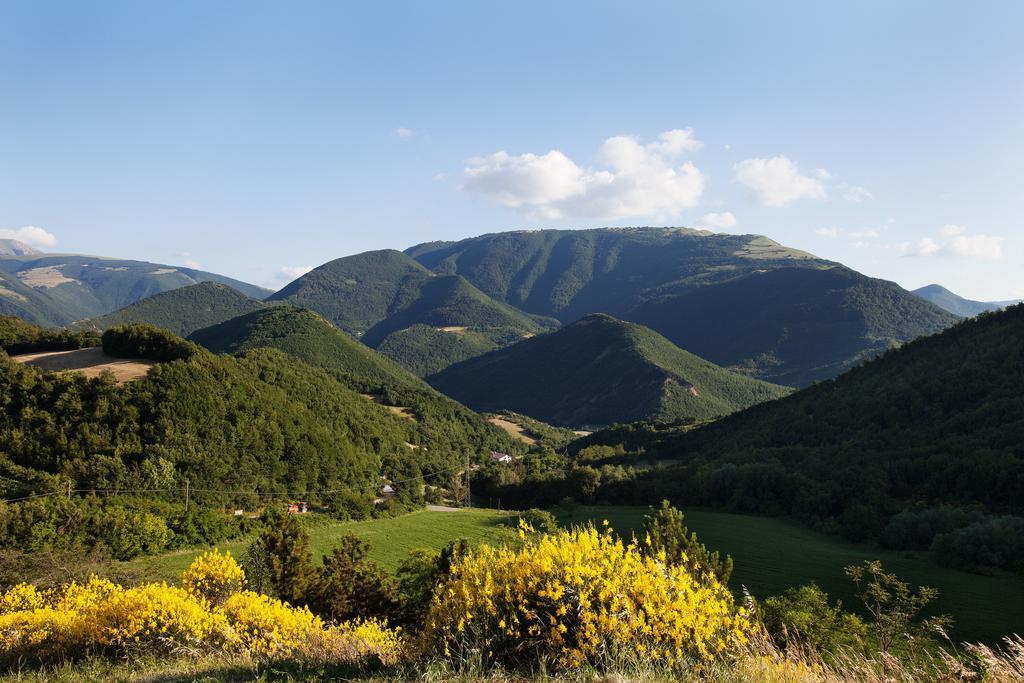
column 188, row 261
column 290, row 273
column 827, row 233
column 980, row 247
column 31, row 235
column 857, row 194
column 954, row 241
column 867, row 233
column 822, row 173
column 632, row 179
column 716, row 221
column 404, row 133
column 777, row 181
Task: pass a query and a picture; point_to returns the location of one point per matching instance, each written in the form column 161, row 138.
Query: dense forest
column 922, row 448
column 598, row 371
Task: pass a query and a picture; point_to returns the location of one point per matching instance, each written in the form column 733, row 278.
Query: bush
column 348, row 586
column 802, row 616
column 279, row 562
column 666, row 535
column 993, row 542
column 213, row 577
column 102, row 617
column 577, row 598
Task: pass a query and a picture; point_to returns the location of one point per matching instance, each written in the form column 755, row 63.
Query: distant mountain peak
column 12, row 247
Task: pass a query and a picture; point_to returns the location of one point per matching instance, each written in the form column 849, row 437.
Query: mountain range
column 59, row 289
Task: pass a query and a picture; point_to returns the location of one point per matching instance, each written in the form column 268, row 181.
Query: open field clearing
column 396, row 410
column 512, row 428
column 90, row 362
column 770, row 555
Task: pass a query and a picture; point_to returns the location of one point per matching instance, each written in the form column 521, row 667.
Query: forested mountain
column 441, row 423
column 58, row 289
column 687, row 283
column 957, row 305
column 182, row 311
column 935, row 423
column 424, row 322
column 597, row 371
column 234, row 426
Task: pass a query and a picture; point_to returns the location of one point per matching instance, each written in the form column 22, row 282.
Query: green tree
column 664, row 530
column 894, row 605
column 349, row 586
column 803, row 616
column 279, row 561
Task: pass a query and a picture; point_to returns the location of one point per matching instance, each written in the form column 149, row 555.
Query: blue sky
column 255, row 139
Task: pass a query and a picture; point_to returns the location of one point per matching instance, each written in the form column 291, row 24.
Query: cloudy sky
column 258, row 139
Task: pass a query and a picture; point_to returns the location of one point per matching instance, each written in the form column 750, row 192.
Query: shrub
column 213, row 577
column 803, row 616
column 280, row 562
column 579, row 597
column 102, row 617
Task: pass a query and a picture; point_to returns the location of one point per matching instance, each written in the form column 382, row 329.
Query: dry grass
column 90, row 362
column 395, row 410
column 45, row 277
column 512, row 429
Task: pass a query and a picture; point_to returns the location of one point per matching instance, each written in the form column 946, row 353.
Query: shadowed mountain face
column 742, row 301
column 597, row 371
column 58, row 289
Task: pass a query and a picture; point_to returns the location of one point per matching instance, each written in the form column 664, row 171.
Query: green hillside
column 793, row 326
column 308, row 336
column 440, row 423
column 924, row 441
column 717, row 295
column 182, row 311
column 957, row 305
column 357, row 292
column 58, row 289
column 600, row 371
column 422, row 321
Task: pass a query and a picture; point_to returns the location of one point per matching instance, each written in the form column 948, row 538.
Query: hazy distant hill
column 957, row 305
column 182, row 311
column 597, row 371
column 698, row 289
column 13, row 247
column 58, row 289
column 423, row 321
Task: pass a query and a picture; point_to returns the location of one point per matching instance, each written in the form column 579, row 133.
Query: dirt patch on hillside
column 513, row 429
column 452, row 329
column 90, row 362
column 396, row 410
column 44, row 277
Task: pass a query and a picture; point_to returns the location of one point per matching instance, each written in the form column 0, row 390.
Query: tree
column 894, row 605
column 664, row 531
column 349, row 586
column 803, row 616
column 420, row 575
column 279, row 561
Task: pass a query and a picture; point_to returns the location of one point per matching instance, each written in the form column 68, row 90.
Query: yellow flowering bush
column 580, row 597
column 208, row 612
column 213, row 576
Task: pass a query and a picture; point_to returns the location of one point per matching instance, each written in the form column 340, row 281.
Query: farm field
column 769, row 554
column 90, row 362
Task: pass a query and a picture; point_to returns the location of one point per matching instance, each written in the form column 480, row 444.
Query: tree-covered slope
column 308, row 336
column 58, row 289
column 793, row 326
column 357, row 292
column 698, row 289
column 957, row 305
column 380, row 294
column 182, row 311
column 599, row 371
column 936, row 422
column 441, row 424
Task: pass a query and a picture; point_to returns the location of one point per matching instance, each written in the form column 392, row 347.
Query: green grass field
column 770, row 555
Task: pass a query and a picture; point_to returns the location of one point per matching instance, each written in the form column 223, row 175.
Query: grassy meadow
column 769, row 554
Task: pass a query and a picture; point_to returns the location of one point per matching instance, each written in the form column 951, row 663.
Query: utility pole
column 469, row 495
column 186, row 496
